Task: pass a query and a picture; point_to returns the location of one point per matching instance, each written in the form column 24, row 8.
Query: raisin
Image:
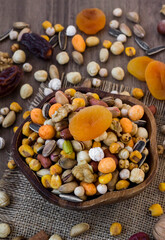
column 9, row 80
column 37, row 45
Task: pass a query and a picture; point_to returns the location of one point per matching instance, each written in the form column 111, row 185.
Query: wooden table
column 64, row 12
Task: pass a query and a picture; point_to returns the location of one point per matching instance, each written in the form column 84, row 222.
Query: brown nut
column 94, row 166
column 94, row 101
column 152, row 109
column 65, row 134
column 45, row 161
column 115, row 111
column 161, row 27
column 61, row 98
column 108, row 154
column 59, row 126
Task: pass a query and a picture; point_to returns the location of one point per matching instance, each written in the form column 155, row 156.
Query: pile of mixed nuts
column 75, row 169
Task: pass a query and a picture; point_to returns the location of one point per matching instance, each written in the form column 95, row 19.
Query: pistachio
column 78, row 146
column 104, row 55
column 117, row 48
column 77, row 57
column 81, row 95
column 19, row 56
column 26, row 91
column 62, row 58
column 67, row 163
column 139, row 31
column 4, row 199
column 53, row 72
column 27, row 67
column 25, row 30
column 109, row 100
column 55, row 155
column 9, row 119
column 87, row 83
column 68, row 187
column 92, row 41
column 133, row 17
column 73, row 77
column 61, row 98
column 117, row 12
column 41, row 75
column 20, row 25
column 114, row 24
column 79, row 229
column 117, row 73
column 125, row 30
column 49, row 148
column 93, row 68
column 67, row 176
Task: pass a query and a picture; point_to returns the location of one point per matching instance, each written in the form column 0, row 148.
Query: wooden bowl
column 109, row 197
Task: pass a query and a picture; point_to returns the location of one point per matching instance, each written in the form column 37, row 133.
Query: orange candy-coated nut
column 90, row 123
column 136, row 112
column 47, row 132
column 155, row 78
column 54, row 108
column 137, row 67
column 126, row 125
column 36, row 116
column 107, row 165
column 90, row 188
column 91, row 20
column 78, row 43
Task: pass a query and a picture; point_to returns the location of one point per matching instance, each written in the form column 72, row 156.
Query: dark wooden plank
column 64, row 12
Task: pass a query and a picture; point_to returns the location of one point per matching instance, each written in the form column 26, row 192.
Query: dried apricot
column 36, row 116
column 155, row 78
column 90, row 123
column 47, row 132
column 91, row 20
column 137, row 67
column 54, row 108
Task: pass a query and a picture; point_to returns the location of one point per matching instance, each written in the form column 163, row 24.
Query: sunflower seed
column 142, row 44
column 79, row 229
column 133, row 17
column 139, row 31
column 142, row 160
column 62, row 38
column 5, row 35
column 54, row 41
column 49, row 148
column 140, row 123
column 155, row 50
column 114, row 32
column 34, row 127
column 70, row 198
column 55, row 191
column 45, row 110
column 139, row 146
column 125, row 30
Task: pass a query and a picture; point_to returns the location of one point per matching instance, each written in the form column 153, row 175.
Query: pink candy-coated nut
column 108, row 154
column 52, row 101
column 136, row 112
column 115, row 111
column 45, row 161
column 65, row 134
column 94, row 165
column 93, row 101
column 140, row 236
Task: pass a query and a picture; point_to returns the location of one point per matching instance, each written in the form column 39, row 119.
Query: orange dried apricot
column 90, row 123
column 54, row 108
column 137, row 67
column 155, row 78
column 136, row 112
column 47, row 132
column 36, row 116
column 126, row 125
column 78, row 43
column 90, row 188
column 91, row 20
column 107, row 165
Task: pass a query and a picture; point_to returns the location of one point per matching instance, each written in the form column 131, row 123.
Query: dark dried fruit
column 9, row 80
column 37, row 45
column 139, row 236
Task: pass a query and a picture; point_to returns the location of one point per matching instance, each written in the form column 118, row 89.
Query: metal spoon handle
column 155, row 50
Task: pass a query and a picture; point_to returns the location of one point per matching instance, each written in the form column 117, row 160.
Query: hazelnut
column 27, row 67
column 13, row 35
column 117, row 73
column 41, row 75
column 14, row 47
column 152, row 109
column 161, row 27
column 26, row 91
column 73, row 77
column 117, row 48
column 93, row 68
column 117, row 12
column 19, row 56
column 103, row 72
column 62, row 58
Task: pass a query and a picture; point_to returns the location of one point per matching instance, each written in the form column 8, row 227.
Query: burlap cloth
column 29, row 212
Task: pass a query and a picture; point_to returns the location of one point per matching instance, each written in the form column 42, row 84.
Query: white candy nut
column 79, row 191
column 96, row 154
column 71, row 31
column 13, row 35
column 102, row 188
column 55, row 84
column 50, row 31
column 47, row 91
column 121, row 38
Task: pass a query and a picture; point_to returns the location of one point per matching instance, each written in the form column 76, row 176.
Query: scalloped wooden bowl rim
column 109, row 197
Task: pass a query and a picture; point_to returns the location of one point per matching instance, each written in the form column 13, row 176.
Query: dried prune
column 37, row 45
column 9, row 80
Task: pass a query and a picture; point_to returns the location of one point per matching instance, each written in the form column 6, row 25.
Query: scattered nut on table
column 117, row 48
column 92, row 41
column 50, row 31
column 93, row 68
column 114, row 24
column 13, row 35
column 117, row 73
column 104, row 55
column 9, row 119
column 4, row 230
column 121, row 38
column 77, row 57
column 73, row 77
column 55, row 237
column 117, row 12
column 27, row 67
column 53, row 72
column 125, row 29
column 79, row 229
column 19, row 56
column 103, row 72
column 62, row 58
column 96, row 82
column 41, row 75
column 71, row 31
column 14, row 47
column 26, row 91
